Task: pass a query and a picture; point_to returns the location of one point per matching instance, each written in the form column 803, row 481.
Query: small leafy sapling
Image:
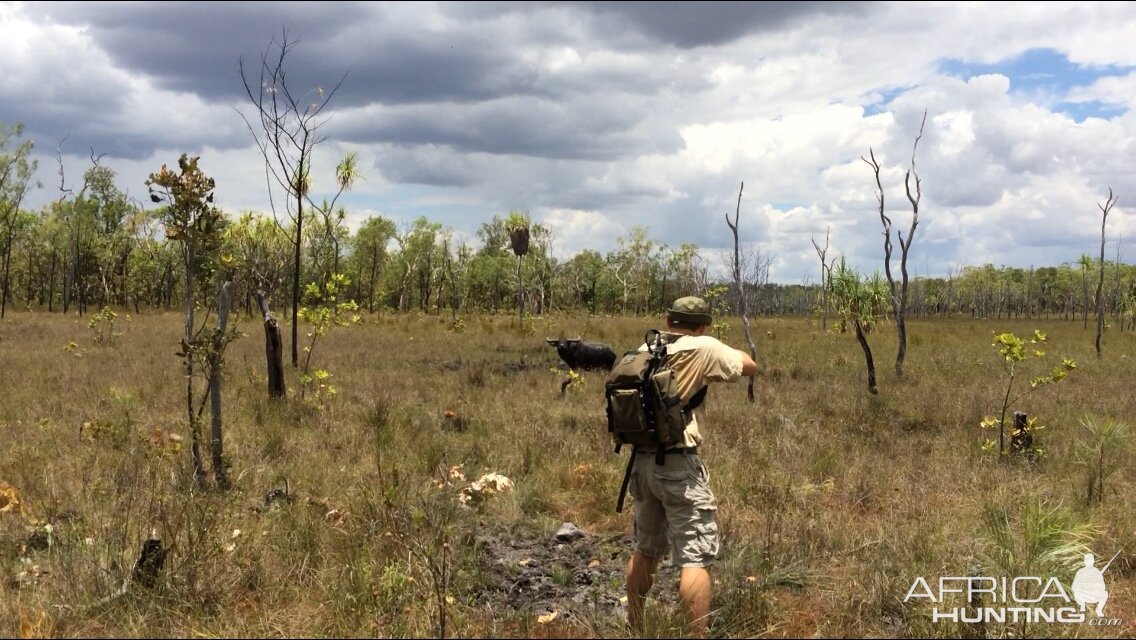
column 326, row 311
column 1015, row 351
column 102, row 325
column 573, row 381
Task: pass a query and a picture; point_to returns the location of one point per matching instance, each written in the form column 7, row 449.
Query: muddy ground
column 576, row 575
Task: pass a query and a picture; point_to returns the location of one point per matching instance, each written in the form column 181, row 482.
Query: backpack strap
column 654, row 341
column 696, row 399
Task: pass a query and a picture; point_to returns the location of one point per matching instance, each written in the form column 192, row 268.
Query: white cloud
column 596, row 119
column 575, row 230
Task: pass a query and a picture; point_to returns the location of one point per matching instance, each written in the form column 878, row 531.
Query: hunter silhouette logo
column 1088, row 584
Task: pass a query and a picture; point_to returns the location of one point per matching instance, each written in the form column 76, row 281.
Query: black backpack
column 644, row 408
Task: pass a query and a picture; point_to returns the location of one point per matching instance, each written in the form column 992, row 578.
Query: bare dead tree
column 824, row 269
column 737, row 268
column 287, row 135
column 899, row 297
column 1105, row 208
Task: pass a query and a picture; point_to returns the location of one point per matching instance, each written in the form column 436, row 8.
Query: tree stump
column 273, row 348
column 149, row 563
column 1021, row 440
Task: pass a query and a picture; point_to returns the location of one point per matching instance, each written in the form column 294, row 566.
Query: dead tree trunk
column 824, row 269
column 1021, row 440
column 220, row 476
column 149, row 563
column 899, row 296
column 273, row 348
column 867, row 357
column 741, row 289
column 1105, row 208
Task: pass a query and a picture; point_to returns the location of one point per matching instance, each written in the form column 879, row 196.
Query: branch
column 914, row 199
column 63, row 190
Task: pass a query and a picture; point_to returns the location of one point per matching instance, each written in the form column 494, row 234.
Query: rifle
column 626, row 481
column 1110, row 562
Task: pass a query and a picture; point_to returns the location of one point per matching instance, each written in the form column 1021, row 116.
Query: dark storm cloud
column 197, row 47
column 204, row 47
column 465, row 73
column 695, row 24
column 537, row 128
column 395, row 56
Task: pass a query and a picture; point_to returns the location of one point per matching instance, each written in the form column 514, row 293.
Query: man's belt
column 686, row 451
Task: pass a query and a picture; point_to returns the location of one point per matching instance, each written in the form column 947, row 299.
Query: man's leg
column 1100, row 605
column 694, row 590
column 640, row 577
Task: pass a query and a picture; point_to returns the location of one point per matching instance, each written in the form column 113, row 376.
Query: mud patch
column 577, row 575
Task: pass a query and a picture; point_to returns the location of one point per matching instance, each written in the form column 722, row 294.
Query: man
column 674, row 506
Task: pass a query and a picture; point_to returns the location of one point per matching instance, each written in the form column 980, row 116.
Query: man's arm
column 749, row 367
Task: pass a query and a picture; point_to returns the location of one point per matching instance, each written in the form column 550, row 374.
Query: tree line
column 95, row 246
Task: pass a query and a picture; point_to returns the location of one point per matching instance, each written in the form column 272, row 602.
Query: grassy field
column 358, row 515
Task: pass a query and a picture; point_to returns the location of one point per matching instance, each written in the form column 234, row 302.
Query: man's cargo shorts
column 673, row 502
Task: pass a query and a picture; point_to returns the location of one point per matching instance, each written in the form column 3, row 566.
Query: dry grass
column 831, row 501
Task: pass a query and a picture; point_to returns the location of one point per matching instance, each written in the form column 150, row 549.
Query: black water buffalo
column 578, row 354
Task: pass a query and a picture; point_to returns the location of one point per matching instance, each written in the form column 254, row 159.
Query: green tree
column 581, row 278
column 415, row 263
column 369, row 253
column 115, row 222
column 23, row 257
column 16, row 171
column 858, row 302
column 258, row 254
column 630, row 267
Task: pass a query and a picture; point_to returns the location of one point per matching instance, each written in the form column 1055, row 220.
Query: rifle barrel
column 1109, row 562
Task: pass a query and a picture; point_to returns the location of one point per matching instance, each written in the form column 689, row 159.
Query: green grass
column 831, row 501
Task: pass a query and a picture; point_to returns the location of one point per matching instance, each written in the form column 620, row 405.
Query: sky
column 596, row 118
